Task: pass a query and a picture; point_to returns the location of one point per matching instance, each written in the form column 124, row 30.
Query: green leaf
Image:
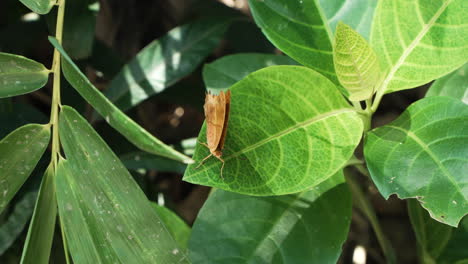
column 419, row 41
column 39, row 6
column 299, row 29
column 165, row 61
column 357, row 14
column 142, row 160
column 423, row 155
column 431, row 235
column 113, row 115
column 308, row 227
column 454, row 84
column 11, row 229
column 356, row 63
column 19, row 153
column 20, row 75
column 41, row 230
column 179, row 230
column 455, row 251
column 289, row 130
column 105, row 215
column 228, row 70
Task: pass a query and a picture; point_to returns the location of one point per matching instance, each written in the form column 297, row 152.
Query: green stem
column 365, row 207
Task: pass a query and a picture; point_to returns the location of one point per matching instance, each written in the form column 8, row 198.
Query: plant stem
column 365, row 207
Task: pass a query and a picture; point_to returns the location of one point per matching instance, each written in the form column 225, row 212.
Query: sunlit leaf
column 419, row 41
column 299, row 228
column 356, row 63
column 165, row 61
column 423, row 155
column 454, row 84
column 113, row 115
column 289, row 129
column 19, row 153
column 20, row 75
column 105, row 215
column 41, row 230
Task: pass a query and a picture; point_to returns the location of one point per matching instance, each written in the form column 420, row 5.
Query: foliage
column 295, row 126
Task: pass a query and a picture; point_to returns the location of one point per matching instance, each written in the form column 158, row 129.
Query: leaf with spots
column 289, row 129
column 423, row 155
column 113, row 115
column 419, row 41
column 20, row 152
column 179, row 230
column 356, row 63
column 105, row 215
column 309, row 227
column 20, row 75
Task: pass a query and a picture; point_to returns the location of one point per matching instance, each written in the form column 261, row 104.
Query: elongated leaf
column 39, row 6
column 41, row 230
column 356, row 63
column 106, row 217
column 454, row 84
column 20, row 75
column 19, row 153
column 17, row 220
column 179, row 230
column 423, row 154
column 165, row 61
column 289, row 129
column 80, row 22
column 300, row 228
column 455, row 251
column 357, row 13
column 116, row 118
column 419, row 41
column 142, row 160
column 228, row 70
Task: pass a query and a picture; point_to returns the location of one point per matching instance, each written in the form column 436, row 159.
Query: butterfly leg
column 203, row 161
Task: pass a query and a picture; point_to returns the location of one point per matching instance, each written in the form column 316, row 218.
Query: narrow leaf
column 80, row 22
column 143, row 160
column 41, row 230
column 289, row 129
column 165, row 61
column 228, row 70
column 39, row 6
column 356, row 63
column 106, row 217
column 20, row 75
column 113, row 115
column 299, row 228
column 454, row 84
column 179, row 230
column 419, row 41
column 19, row 153
column 423, row 155
column 455, row 251
column 12, row 228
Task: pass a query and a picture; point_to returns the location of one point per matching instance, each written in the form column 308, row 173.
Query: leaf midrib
column 413, row 45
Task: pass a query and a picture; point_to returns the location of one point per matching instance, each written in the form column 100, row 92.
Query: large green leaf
column 39, row 6
column 113, row 115
column 423, row 155
column 432, row 236
column 179, row 230
column 12, row 228
column 105, row 215
column 308, row 227
column 419, row 41
column 289, row 130
column 41, row 230
column 19, row 153
column 303, row 29
column 455, row 251
column 454, row 84
column 165, row 61
column 20, row 75
column 356, row 63
column 228, row 70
